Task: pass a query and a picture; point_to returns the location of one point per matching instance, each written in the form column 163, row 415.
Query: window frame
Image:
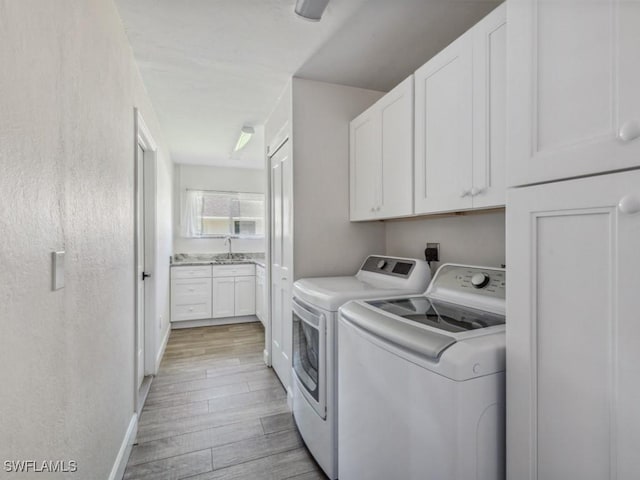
column 231, row 219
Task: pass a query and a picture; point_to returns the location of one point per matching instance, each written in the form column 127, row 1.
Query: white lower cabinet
column 245, row 295
column 573, row 335
column 223, row 297
column 260, row 294
column 220, row 291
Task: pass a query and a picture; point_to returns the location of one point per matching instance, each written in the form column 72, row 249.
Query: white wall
column 474, row 238
column 68, row 88
column 325, row 241
column 199, row 177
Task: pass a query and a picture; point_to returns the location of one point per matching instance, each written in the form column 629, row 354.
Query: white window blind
column 221, row 214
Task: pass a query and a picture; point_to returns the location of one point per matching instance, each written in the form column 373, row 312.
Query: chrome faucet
column 228, row 241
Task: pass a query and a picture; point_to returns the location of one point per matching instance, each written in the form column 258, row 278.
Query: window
column 220, row 214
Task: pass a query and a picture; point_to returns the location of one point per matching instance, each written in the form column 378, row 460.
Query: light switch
column 58, row 270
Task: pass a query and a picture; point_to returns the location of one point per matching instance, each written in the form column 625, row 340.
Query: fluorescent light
column 311, row 9
column 245, row 135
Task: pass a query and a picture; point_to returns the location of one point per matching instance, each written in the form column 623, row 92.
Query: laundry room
column 320, row 239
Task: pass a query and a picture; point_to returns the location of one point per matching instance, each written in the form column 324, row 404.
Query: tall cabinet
column 573, row 335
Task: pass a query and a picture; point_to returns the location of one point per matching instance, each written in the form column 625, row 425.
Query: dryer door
column 309, row 354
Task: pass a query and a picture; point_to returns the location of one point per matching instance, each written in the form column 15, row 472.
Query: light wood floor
column 215, row 411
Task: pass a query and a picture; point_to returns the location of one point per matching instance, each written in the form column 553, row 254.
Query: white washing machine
column 315, row 306
column 422, row 381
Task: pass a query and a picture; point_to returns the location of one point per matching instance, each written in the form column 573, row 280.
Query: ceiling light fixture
column 311, row 9
column 245, row 135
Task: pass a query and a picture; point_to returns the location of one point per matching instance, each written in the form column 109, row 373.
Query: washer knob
column 382, row 264
column 480, row 280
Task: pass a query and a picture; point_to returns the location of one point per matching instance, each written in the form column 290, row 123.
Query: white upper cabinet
column 381, row 157
column 444, row 130
column 460, row 118
column 365, row 161
column 490, row 110
column 573, row 83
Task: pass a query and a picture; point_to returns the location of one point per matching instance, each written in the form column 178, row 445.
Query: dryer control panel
column 397, row 267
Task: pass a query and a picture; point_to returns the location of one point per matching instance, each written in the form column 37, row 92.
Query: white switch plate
column 58, row 270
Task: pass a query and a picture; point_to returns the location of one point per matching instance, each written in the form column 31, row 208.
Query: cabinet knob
column 629, row 131
column 465, row 193
column 629, row 204
column 373, row 209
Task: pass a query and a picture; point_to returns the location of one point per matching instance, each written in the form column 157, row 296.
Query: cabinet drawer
column 191, row 287
column 199, row 271
column 193, row 311
column 233, row 270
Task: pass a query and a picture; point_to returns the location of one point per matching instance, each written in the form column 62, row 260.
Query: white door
column 490, row 110
column 395, row 195
column 281, row 262
column 365, row 169
column 140, row 267
column 573, row 335
column 223, row 297
column 245, row 295
column 574, row 106
column 444, row 129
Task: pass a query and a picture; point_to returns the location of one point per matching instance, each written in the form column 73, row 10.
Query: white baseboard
column 117, row 472
column 161, row 350
column 208, row 322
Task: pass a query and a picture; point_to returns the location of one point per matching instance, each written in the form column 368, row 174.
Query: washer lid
column 438, row 314
column 330, row 293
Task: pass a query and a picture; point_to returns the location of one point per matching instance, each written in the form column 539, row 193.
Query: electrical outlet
column 432, row 252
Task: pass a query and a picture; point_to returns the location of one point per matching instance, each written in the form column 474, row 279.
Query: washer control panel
column 487, row 282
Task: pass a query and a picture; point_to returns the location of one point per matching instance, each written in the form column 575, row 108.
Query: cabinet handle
column 477, row 191
column 373, row 209
column 629, row 131
column 629, row 204
column 192, row 289
column 465, row 193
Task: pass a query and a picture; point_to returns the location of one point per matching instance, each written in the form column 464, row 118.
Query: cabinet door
column 365, row 159
column 395, row 197
column 490, row 110
column 260, row 298
column 443, row 134
column 245, row 296
column 223, row 297
column 573, row 88
column 573, row 335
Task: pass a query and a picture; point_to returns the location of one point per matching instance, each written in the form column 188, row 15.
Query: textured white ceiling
column 212, row 66
column 387, row 40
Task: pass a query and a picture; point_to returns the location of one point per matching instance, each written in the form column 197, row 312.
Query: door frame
column 144, row 139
